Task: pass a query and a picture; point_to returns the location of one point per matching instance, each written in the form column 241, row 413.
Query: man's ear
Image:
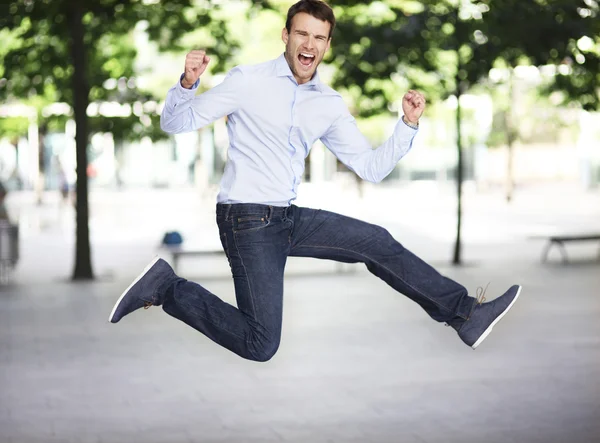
column 328, row 44
column 284, row 35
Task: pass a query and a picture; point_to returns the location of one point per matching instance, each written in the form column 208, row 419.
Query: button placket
column 293, row 133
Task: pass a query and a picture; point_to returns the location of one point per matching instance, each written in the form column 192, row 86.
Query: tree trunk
column 457, row 260
column 510, row 139
column 40, row 184
column 83, row 261
column 510, row 183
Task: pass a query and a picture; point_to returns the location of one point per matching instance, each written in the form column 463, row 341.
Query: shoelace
column 480, row 298
column 147, row 304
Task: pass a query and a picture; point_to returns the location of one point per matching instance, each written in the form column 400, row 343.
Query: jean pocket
column 249, row 223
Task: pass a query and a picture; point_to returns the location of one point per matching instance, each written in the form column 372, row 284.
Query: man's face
column 305, row 45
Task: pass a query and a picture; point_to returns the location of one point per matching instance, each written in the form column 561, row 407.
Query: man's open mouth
column 306, row 59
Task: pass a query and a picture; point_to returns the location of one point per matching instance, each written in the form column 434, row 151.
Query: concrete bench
column 560, row 240
column 176, row 252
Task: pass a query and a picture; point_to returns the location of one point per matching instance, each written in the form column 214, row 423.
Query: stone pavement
column 358, row 362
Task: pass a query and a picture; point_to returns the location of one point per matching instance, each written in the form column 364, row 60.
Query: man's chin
column 306, row 75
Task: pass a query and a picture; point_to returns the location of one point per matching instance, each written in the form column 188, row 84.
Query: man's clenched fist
column 413, row 105
column 196, row 62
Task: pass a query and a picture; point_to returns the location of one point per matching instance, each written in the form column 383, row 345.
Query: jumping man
column 276, row 111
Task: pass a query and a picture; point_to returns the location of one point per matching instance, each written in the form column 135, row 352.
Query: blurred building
column 197, row 159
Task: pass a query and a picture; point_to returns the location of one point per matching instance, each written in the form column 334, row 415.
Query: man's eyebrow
column 302, row 31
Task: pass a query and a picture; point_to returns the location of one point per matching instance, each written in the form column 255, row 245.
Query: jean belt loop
column 270, row 213
column 227, row 211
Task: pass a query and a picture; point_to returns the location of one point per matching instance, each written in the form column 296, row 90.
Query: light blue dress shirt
column 272, row 124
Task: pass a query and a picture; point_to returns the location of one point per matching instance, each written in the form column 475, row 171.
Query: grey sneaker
column 142, row 292
column 484, row 316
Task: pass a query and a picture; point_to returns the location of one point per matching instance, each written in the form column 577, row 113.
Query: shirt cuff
column 184, row 92
column 404, row 131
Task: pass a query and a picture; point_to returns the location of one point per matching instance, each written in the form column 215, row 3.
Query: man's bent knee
column 265, row 349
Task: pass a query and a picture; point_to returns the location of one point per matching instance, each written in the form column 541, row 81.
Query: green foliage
column 561, row 33
column 447, row 47
column 36, row 56
column 13, row 127
column 388, row 47
column 130, row 128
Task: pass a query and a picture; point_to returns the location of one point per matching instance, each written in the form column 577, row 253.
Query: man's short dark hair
column 317, row 8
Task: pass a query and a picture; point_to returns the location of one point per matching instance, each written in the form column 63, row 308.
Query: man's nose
column 310, row 42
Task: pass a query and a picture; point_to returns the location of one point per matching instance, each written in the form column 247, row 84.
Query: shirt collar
column 283, row 70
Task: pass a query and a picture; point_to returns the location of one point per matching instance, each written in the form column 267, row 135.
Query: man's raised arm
column 184, row 111
column 352, row 148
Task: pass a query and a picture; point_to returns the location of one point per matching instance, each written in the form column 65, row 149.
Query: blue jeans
column 258, row 239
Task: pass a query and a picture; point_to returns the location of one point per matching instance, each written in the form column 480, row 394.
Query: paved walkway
column 358, row 362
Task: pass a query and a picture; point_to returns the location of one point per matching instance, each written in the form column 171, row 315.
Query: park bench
column 560, row 240
column 178, row 251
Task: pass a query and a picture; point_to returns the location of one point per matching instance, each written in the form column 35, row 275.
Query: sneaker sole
column 489, row 329
column 146, row 269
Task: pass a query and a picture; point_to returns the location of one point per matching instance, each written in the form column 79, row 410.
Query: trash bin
column 9, row 249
